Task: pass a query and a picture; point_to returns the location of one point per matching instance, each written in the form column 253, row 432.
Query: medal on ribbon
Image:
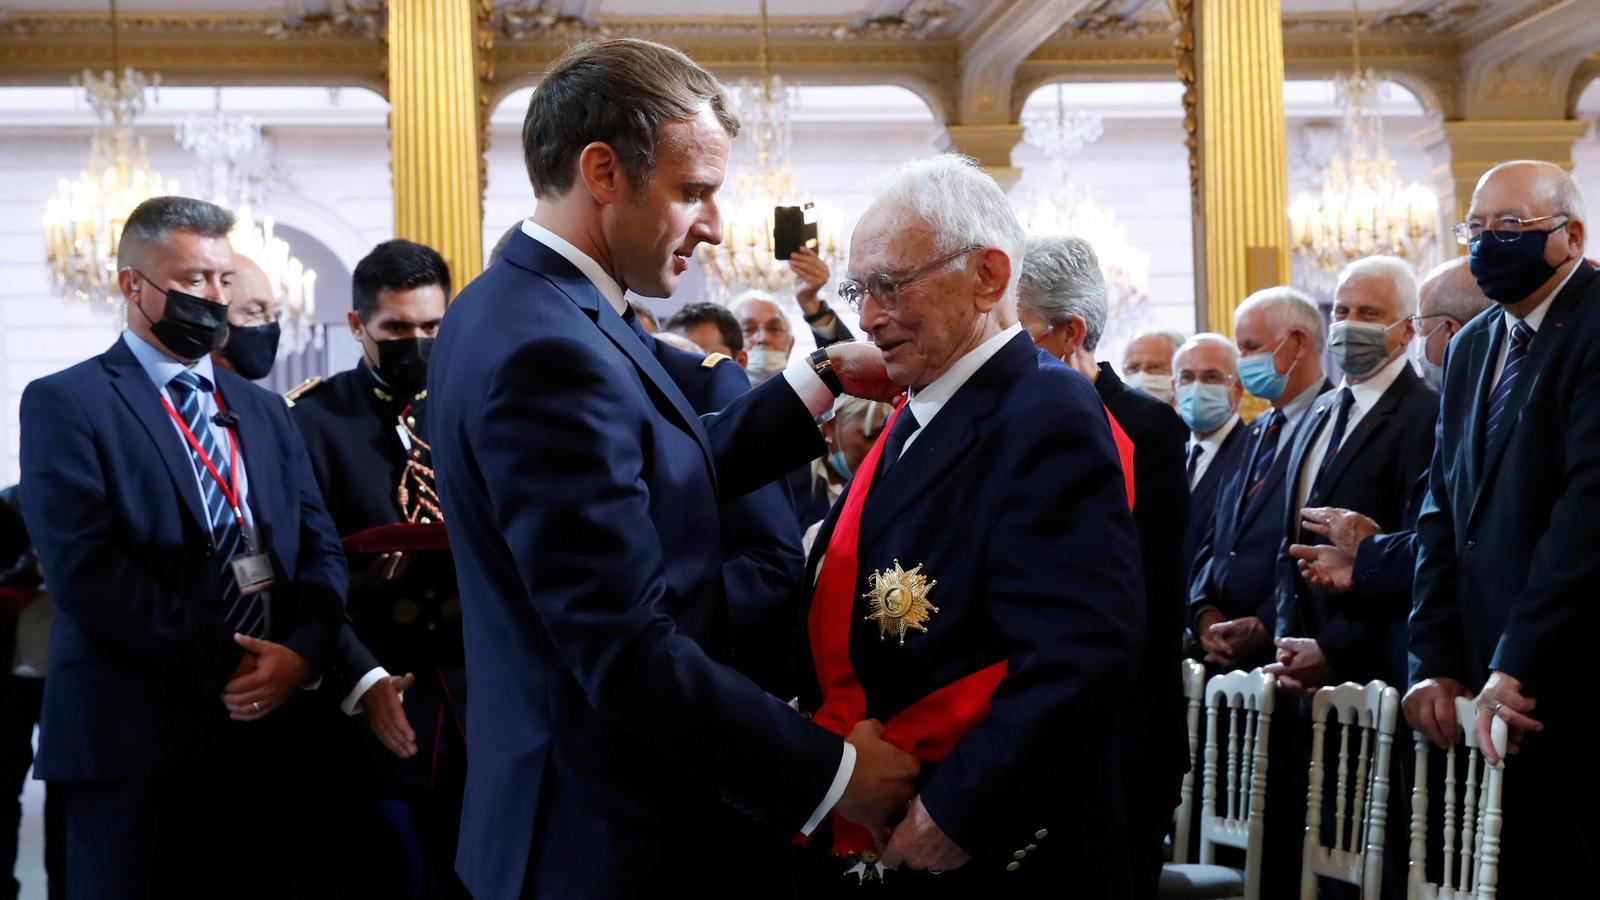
column 898, row 599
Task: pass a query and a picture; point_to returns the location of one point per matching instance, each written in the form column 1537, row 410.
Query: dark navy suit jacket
column 1203, row 498
column 608, row 744
column 1235, row 569
column 140, row 649
column 1012, row 500
column 1362, row 634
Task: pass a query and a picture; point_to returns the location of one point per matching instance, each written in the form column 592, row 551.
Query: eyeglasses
column 1209, row 376
column 886, row 290
column 1505, row 229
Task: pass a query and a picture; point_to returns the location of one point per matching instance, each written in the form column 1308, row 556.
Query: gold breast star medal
column 899, row 600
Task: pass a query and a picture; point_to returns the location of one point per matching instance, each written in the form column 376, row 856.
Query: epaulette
column 301, row 389
column 711, row 360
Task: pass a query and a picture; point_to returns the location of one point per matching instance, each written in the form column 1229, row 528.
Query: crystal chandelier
column 1363, row 208
column 83, row 223
column 745, row 260
column 1062, row 206
column 234, row 169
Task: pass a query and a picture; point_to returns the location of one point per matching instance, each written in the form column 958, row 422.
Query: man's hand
column 1328, row 569
column 386, row 714
column 810, row 276
column 384, row 568
column 883, row 782
column 1301, row 668
column 275, row 675
column 919, row 843
column 1217, row 650
column 1430, row 708
column 1502, row 698
column 1243, row 637
column 862, row 371
column 1345, row 528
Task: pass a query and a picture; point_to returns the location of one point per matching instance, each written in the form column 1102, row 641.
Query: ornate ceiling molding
column 920, row 20
column 522, row 19
column 354, row 18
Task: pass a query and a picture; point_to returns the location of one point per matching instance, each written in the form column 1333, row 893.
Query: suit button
column 1471, row 543
column 1233, row 554
column 1020, row 854
column 1041, row 834
column 1012, row 867
column 1031, row 847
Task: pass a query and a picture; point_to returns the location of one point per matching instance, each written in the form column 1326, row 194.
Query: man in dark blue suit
column 611, row 750
column 1507, row 571
column 1363, row 446
column 1206, row 381
column 990, row 529
column 198, row 582
column 1232, row 603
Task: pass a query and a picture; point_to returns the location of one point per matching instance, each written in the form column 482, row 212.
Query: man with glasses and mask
column 1207, row 394
column 253, row 331
column 1507, row 570
column 979, row 587
column 366, row 430
column 198, row 583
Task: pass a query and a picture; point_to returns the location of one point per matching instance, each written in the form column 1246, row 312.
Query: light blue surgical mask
column 840, row 466
column 1204, row 407
column 1260, row 375
column 1434, row 373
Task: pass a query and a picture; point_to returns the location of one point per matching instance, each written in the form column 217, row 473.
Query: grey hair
column 1209, row 338
column 154, row 220
column 1561, row 190
column 962, row 205
column 871, row 413
column 1397, row 272
column 1287, row 308
column 1175, row 339
column 1569, row 199
column 1061, row 277
column 1452, row 291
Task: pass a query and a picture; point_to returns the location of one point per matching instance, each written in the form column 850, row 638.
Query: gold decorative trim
column 1183, row 49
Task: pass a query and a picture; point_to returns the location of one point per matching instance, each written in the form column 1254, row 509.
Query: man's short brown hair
column 619, row 92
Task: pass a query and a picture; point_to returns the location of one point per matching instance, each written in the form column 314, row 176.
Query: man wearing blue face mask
column 1206, row 371
column 1507, row 570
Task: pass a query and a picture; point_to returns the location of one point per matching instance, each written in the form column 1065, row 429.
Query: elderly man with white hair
column 1205, row 375
column 1507, row 571
column 980, row 587
column 1147, row 362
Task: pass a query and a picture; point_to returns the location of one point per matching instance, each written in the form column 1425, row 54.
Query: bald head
column 1450, row 290
column 1530, row 220
column 254, row 300
column 1541, row 188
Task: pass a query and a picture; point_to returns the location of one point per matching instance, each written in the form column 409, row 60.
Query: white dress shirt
column 1364, row 397
column 926, row 403
column 1210, row 446
column 806, row 383
column 1533, row 320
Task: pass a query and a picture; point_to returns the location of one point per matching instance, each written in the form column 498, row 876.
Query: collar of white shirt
column 1211, row 443
column 162, row 368
column 926, row 403
column 1535, row 318
column 1366, row 393
column 1296, row 408
column 592, row 270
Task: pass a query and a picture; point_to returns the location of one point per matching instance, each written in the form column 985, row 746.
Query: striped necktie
column 245, row 613
column 1340, row 423
column 1266, row 452
column 1195, row 452
column 1521, row 336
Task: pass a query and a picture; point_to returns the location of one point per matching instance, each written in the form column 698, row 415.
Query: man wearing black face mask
column 198, row 583
column 366, row 430
column 1507, row 571
column 252, row 323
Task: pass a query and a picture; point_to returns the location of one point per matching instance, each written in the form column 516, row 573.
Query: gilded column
column 1478, row 145
column 434, row 129
column 1242, row 233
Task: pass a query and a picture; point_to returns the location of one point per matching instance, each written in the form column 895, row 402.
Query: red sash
column 927, row 729
column 1124, row 453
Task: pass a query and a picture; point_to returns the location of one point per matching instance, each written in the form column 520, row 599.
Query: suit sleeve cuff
column 847, row 767
column 809, row 387
column 352, row 701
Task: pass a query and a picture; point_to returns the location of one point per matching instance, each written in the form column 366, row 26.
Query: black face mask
column 190, row 326
column 1510, row 272
column 403, row 363
column 252, row 348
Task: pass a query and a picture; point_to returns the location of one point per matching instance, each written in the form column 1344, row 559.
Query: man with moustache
column 978, row 589
column 611, row 750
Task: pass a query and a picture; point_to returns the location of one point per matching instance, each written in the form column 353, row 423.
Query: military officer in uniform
column 366, row 430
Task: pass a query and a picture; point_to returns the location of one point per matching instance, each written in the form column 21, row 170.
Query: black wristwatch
column 823, row 366
column 822, row 313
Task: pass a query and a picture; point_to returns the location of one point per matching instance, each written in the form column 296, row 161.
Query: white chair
column 1194, row 691
column 1364, row 716
column 1471, row 849
column 1231, row 814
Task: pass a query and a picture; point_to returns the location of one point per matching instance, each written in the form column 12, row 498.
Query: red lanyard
column 230, row 493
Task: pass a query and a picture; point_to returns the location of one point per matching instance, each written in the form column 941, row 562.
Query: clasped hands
column 883, row 785
column 265, row 677
column 1430, row 708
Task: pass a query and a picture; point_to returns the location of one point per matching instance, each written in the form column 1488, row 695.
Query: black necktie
column 905, row 425
column 1340, row 422
column 1521, row 336
column 1195, row 453
column 632, row 320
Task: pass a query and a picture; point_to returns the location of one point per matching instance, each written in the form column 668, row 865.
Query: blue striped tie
column 1521, row 336
column 1266, row 452
column 246, row 613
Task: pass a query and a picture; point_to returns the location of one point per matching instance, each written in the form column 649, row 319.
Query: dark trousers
column 20, row 699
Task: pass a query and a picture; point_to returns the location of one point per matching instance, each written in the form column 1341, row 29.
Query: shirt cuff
column 808, row 385
column 352, row 701
column 847, row 767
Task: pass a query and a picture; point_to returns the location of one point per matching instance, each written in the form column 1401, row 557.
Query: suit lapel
column 131, row 383
column 255, row 454
column 944, row 440
column 1481, row 360
column 1315, row 420
column 1370, row 424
